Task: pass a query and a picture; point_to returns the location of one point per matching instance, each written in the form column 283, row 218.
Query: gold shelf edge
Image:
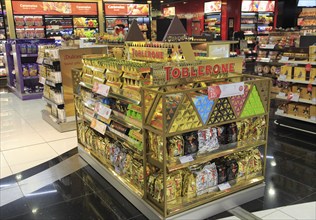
column 206, row 158
column 206, row 197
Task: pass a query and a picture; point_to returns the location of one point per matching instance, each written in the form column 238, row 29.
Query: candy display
column 253, row 105
column 175, row 148
column 208, row 141
column 222, row 112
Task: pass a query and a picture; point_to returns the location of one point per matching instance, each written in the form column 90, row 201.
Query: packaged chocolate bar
column 212, row 176
column 190, row 143
column 177, row 176
column 221, row 171
column 232, row 169
column 159, row 193
column 189, row 185
column 119, row 127
column 207, row 140
column 232, row 133
column 156, row 146
column 222, row 135
column 175, row 148
column 151, row 184
column 171, row 189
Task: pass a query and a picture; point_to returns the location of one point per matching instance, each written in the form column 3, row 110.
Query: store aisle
column 26, row 140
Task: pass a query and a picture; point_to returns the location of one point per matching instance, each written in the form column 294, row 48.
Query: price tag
column 40, row 60
column 98, row 126
column 314, row 100
column 282, row 77
column 226, row 90
column 282, row 94
column 101, row 89
column 313, row 118
column 293, row 97
column 279, row 112
column 102, row 110
column 186, row 159
column 42, row 80
column 224, row 186
column 284, row 58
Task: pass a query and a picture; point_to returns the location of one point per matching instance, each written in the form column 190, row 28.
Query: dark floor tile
column 311, row 198
column 93, row 179
column 14, row 209
column 65, row 189
column 121, row 206
column 86, row 208
column 139, row 217
column 253, row 206
column 69, row 153
column 220, row 215
column 281, row 190
column 7, row 181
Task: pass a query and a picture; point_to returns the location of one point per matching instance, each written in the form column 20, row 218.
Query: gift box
column 292, row 109
column 287, row 70
column 300, row 73
column 304, row 111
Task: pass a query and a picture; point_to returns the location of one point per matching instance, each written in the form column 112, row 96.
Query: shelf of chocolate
column 175, row 117
column 307, row 101
column 297, row 81
column 295, row 117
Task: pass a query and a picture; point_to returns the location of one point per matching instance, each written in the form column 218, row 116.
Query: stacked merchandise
column 279, row 45
column 22, row 68
column 49, row 70
column 145, row 136
column 300, row 93
column 307, row 21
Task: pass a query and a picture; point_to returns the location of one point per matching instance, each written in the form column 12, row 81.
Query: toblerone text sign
column 198, row 70
column 148, row 54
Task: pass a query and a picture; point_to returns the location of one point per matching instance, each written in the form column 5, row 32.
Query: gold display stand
column 167, row 79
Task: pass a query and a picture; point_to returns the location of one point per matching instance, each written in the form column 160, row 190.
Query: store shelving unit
column 3, row 72
column 51, row 77
column 50, row 21
column 118, row 115
column 307, row 20
column 21, row 56
column 299, row 100
column 213, row 17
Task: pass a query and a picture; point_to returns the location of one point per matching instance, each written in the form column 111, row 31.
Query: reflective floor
column 44, row 178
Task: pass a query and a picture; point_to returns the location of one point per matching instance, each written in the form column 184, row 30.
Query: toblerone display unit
column 135, row 114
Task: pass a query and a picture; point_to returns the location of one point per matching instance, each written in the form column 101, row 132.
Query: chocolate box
column 293, row 109
column 304, row 110
column 300, row 73
column 287, row 70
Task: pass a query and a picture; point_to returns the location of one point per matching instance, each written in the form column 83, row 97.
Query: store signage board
column 145, row 53
column 54, row 8
column 212, row 7
column 257, row 6
column 126, row 9
column 225, row 90
column 169, row 11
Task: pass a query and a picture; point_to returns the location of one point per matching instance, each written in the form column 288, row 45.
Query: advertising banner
column 126, row 9
column 257, row 6
column 170, row 11
column 211, row 7
column 54, row 8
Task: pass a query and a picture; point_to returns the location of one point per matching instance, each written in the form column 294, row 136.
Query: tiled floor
column 26, row 140
column 51, row 181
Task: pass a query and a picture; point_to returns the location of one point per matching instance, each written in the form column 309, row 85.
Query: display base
column 25, row 96
column 200, row 212
column 61, row 127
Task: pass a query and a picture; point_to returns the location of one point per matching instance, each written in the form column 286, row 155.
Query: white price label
column 293, row 97
column 102, row 110
column 314, row 100
column 282, row 77
column 101, row 89
column 284, row 58
column 186, row 159
column 282, row 94
column 313, row 118
column 226, row 90
column 224, row 186
column 98, row 126
column 279, row 112
column 40, row 60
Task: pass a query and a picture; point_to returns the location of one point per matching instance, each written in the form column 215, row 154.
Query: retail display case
column 22, row 69
column 307, row 20
column 299, row 96
column 141, row 121
column 213, row 17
